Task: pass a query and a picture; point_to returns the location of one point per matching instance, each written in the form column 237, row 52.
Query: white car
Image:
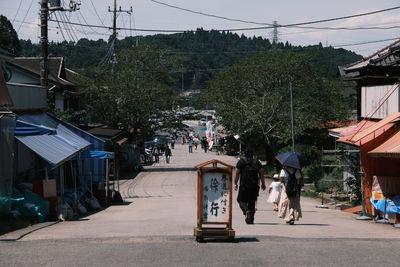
column 202, row 122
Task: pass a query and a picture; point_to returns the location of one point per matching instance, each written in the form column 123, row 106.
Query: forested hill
column 199, row 54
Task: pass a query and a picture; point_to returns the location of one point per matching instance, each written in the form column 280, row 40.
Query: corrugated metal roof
column 52, row 148
column 5, row 98
column 70, row 137
column 389, row 149
column 375, row 127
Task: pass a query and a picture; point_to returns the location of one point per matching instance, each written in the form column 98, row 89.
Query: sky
column 208, row 14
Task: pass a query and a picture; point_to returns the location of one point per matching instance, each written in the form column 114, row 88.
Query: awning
column 389, row 149
column 45, row 121
column 52, row 148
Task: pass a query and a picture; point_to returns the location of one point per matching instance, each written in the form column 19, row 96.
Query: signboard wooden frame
column 214, row 180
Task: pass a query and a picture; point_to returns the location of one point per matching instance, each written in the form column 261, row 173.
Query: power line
column 97, row 14
column 366, row 42
column 26, row 14
column 240, row 29
column 270, row 25
column 210, row 15
column 16, row 14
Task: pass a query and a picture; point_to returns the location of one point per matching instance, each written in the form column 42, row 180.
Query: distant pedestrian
column 274, row 192
column 289, row 205
column 196, row 142
column 156, row 153
column 190, row 145
column 168, row 154
column 249, row 172
column 173, row 143
column 204, row 144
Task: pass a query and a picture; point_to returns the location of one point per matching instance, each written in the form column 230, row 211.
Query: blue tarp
column 96, row 154
column 24, row 128
column 392, row 206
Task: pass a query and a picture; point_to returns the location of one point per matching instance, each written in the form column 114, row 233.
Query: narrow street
column 155, row 226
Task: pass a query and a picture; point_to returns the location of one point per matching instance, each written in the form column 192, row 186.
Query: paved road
column 155, row 226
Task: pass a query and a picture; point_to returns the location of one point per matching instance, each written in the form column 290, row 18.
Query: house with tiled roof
column 23, row 75
column 376, row 77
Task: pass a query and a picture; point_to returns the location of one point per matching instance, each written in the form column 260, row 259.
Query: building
column 376, row 77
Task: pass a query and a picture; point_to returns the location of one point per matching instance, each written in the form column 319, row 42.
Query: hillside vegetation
column 199, row 55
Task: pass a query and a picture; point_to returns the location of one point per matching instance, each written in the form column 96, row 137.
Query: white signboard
column 373, row 96
column 215, row 197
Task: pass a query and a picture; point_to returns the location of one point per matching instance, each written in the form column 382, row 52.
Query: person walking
column 168, row 154
column 156, row 152
column 249, row 172
column 173, row 143
column 274, row 192
column 292, row 181
column 204, row 143
column 190, row 145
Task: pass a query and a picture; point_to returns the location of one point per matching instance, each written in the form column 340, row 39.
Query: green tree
column 8, row 36
column 131, row 94
column 253, row 98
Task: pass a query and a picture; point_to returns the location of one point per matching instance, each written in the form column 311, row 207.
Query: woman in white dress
column 274, row 192
column 289, row 207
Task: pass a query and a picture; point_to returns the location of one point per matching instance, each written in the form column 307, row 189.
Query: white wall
column 371, row 97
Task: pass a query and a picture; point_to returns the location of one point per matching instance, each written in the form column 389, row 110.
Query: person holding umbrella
column 292, row 180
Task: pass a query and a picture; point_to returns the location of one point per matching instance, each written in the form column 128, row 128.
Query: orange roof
column 388, row 149
column 380, row 124
column 352, row 129
column 362, row 127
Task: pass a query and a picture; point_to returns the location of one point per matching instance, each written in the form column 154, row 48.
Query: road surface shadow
column 227, row 240
column 125, row 203
column 267, row 223
column 166, row 169
column 312, row 224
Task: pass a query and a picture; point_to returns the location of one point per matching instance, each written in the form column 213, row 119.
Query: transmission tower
column 275, row 33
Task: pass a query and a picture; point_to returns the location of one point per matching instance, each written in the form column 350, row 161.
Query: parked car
column 202, row 122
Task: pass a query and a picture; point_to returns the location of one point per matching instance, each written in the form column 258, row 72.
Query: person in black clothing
column 168, row 154
column 205, row 144
column 249, row 172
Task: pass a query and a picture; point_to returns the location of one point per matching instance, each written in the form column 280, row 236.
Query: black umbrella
column 292, row 159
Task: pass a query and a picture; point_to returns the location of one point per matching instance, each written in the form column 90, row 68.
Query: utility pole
column 55, row 5
column 44, row 13
column 292, row 113
column 114, row 34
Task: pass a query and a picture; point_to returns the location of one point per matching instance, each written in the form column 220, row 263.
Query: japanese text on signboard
column 215, row 197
